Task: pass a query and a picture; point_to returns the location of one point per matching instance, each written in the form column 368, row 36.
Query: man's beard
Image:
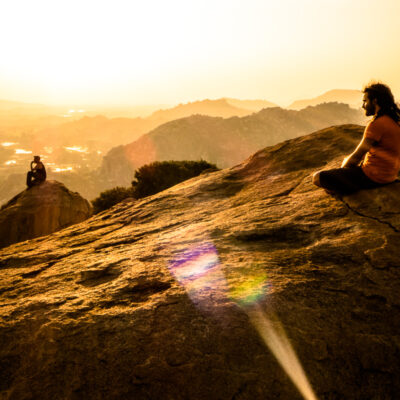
column 369, row 111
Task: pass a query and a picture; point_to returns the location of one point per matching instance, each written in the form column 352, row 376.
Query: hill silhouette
column 159, row 298
column 214, row 108
column 49, row 135
column 224, row 142
column 78, row 144
column 253, row 105
column 351, row 97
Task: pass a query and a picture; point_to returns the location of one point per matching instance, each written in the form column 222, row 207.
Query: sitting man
column 37, row 174
column 376, row 160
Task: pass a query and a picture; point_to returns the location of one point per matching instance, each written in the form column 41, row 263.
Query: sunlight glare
column 68, row 169
column 22, row 151
column 77, row 149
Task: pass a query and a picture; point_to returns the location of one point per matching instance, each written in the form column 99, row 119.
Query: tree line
column 151, row 179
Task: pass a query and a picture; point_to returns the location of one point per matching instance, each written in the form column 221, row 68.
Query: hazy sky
column 172, row 51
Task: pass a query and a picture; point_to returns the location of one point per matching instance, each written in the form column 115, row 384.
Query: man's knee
column 315, row 178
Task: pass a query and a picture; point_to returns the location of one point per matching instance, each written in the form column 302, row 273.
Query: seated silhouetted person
column 376, row 159
column 37, row 174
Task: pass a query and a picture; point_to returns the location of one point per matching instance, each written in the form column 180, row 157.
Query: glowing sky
column 171, row 51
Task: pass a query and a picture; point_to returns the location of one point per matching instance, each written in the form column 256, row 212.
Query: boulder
column 41, row 210
column 245, row 283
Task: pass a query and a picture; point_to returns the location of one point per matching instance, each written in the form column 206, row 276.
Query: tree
column 157, row 176
column 151, row 179
column 111, row 197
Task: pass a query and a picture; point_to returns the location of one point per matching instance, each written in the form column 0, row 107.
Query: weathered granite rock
column 41, row 210
column 151, row 300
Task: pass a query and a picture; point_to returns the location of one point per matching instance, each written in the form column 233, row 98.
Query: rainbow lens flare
column 195, row 263
column 250, row 290
column 198, row 271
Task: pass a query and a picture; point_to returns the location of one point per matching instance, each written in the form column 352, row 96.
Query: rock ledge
column 41, row 210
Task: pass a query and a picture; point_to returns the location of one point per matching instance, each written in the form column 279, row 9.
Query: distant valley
column 224, row 142
column 72, row 142
column 79, row 149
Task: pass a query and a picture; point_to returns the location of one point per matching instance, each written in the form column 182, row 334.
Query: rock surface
column 154, row 299
column 41, row 210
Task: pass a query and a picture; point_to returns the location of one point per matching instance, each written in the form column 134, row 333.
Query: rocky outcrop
column 224, row 142
column 188, row 294
column 41, row 210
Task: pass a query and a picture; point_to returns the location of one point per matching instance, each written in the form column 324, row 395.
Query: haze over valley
column 90, row 152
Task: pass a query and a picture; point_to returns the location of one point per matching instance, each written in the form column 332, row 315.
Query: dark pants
column 346, row 180
column 34, row 178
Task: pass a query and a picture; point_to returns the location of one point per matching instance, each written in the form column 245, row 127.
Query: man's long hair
column 384, row 99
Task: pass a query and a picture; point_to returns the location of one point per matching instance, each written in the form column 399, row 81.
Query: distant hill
column 253, row 105
column 48, row 135
column 10, row 109
column 213, row 108
column 351, row 97
column 78, row 140
column 224, row 107
column 215, row 139
column 10, row 105
column 50, row 124
column 224, row 142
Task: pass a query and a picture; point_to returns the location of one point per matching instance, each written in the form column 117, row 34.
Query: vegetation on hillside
column 157, row 176
column 151, row 179
column 111, row 197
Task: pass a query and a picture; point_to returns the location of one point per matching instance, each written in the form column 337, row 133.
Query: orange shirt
column 382, row 161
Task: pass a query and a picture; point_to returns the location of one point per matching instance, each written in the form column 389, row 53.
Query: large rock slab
column 40, row 210
column 196, row 292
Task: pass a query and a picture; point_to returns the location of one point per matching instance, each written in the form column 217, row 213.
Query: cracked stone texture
column 95, row 311
column 41, row 210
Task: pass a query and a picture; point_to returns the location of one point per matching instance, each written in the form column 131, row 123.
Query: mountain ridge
column 224, row 142
column 348, row 96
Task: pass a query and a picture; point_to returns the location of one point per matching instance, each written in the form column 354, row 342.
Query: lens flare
column 195, row 262
column 199, row 271
column 274, row 336
column 252, row 289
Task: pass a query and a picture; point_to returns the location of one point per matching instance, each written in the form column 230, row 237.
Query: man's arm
column 38, row 165
column 357, row 155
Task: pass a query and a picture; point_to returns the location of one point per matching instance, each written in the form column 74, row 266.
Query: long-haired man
column 376, row 159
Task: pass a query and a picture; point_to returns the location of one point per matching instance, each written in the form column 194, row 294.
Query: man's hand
column 349, row 162
column 358, row 154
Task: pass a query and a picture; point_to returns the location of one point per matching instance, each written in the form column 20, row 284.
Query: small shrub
column 151, row 179
column 110, row 197
column 157, row 176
